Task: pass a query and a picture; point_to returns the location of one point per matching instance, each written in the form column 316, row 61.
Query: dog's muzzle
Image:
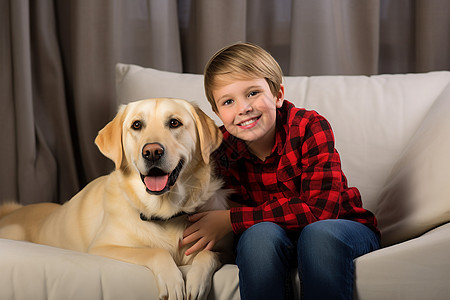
column 158, row 181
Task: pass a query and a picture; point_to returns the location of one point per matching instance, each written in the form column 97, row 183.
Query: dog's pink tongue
column 156, row 183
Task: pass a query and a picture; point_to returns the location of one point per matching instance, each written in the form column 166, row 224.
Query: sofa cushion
column 32, row 271
column 373, row 118
column 136, row 83
column 416, row 196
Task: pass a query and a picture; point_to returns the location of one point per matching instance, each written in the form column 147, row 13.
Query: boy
column 293, row 205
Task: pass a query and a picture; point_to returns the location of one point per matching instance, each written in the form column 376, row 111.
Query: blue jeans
column 324, row 251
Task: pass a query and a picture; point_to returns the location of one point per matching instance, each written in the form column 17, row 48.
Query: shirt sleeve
column 314, row 194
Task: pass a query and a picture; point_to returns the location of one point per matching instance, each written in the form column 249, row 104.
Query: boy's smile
column 247, row 109
column 249, row 123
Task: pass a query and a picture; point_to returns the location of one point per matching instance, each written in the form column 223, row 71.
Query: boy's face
column 247, row 108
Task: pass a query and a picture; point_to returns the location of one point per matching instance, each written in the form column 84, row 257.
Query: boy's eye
column 228, row 102
column 251, row 94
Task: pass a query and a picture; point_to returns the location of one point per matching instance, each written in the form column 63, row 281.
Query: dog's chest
column 164, row 234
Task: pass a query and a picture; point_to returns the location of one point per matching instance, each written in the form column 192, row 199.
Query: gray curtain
column 57, row 64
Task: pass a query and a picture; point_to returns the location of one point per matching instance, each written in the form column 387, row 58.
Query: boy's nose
column 244, row 106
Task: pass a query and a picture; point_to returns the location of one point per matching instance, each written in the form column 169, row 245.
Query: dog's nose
column 152, row 151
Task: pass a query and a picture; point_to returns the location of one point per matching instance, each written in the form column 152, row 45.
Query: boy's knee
column 263, row 239
column 265, row 249
column 329, row 234
column 263, row 234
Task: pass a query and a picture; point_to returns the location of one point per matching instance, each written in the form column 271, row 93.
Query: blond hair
column 242, row 61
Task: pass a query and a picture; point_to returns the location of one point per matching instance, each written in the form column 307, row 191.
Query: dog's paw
column 198, row 284
column 171, row 285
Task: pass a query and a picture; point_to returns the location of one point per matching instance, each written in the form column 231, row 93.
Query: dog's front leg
column 199, row 277
column 169, row 278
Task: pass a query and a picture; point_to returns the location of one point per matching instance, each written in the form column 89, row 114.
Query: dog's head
column 157, row 138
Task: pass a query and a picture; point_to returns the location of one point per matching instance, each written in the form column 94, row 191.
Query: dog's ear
column 209, row 134
column 109, row 139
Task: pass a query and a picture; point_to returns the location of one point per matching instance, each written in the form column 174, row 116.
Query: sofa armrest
column 415, row 269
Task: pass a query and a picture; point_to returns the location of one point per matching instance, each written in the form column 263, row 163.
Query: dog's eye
column 137, row 125
column 174, row 123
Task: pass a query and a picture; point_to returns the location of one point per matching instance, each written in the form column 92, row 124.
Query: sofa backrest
column 373, row 118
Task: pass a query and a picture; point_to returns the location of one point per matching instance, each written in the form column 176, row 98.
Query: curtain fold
column 208, row 25
column 432, row 35
column 337, row 37
column 8, row 156
column 35, row 125
column 57, row 85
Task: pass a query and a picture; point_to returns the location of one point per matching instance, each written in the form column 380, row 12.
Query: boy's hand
column 207, row 229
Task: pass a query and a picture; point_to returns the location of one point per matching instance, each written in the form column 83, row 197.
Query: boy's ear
column 109, row 139
column 209, row 134
column 280, row 96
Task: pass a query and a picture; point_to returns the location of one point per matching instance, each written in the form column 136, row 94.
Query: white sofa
column 393, row 134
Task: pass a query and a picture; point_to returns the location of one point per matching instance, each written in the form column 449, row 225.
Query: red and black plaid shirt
column 300, row 182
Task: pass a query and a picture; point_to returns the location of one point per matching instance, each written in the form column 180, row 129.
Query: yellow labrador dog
column 161, row 150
